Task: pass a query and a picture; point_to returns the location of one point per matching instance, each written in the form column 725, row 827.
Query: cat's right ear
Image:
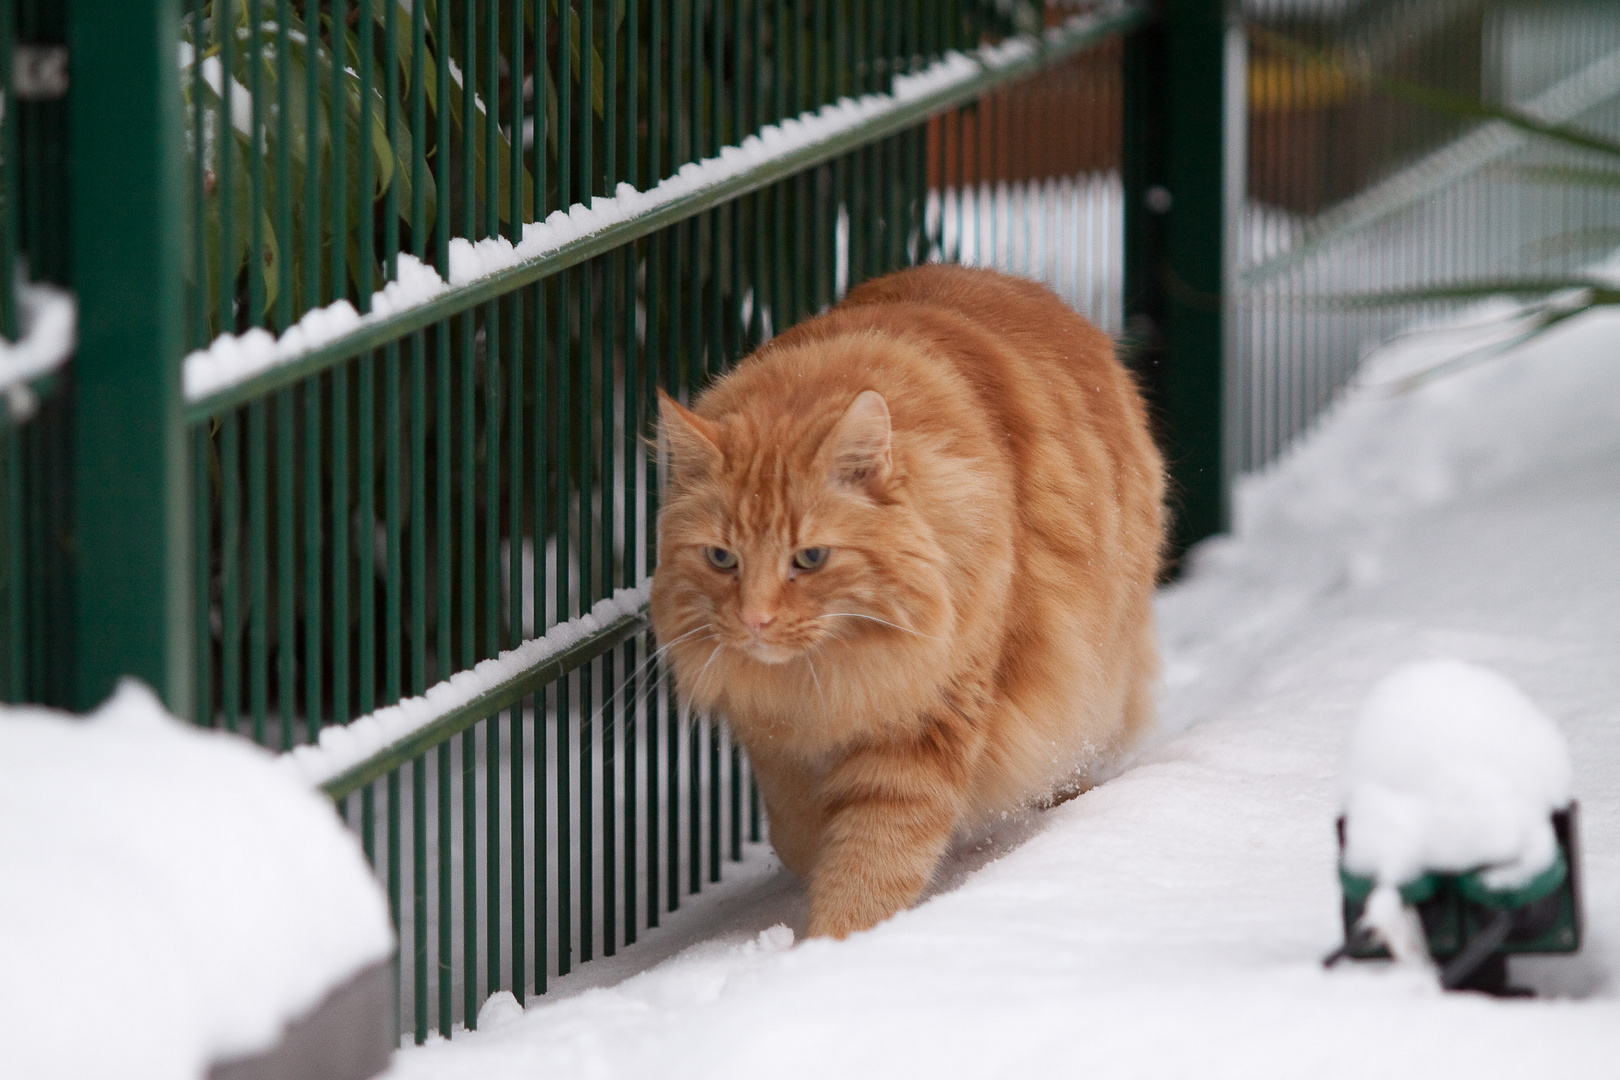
column 691, row 443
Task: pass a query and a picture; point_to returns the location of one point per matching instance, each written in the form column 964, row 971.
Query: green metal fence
column 374, row 298
column 1359, row 196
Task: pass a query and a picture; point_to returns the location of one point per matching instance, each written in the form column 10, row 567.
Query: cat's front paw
column 849, row 911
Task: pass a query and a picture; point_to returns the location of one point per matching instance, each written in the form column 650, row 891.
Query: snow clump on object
column 1452, row 768
column 169, row 897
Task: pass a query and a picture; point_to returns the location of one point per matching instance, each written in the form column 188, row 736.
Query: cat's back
column 1036, row 368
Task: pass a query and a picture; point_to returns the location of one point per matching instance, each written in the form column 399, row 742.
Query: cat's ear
column 692, row 443
column 856, row 452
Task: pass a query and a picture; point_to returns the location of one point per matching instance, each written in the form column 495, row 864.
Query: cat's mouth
column 766, row 653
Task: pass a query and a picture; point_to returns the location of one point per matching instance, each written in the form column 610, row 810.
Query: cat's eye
column 810, row 558
column 720, row 558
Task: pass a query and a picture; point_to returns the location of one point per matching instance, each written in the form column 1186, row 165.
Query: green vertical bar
column 564, row 459
column 367, row 184
column 589, row 486
column 419, row 515
column 286, row 557
column 258, row 569
column 736, row 802
column 443, row 861
column 419, row 382
column 443, row 438
column 197, row 122
column 469, row 877
column 202, row 521
column 469, row 369
column 632, row 447
column 419, row 882
column 366, row 673
column 516, row 214
column 131, row 497
column 694, row 804
column 469, row 528
column 258, row 211
column 543, row 527
column 313, row 578
column 393, row 510
column 490, row 78
column 340, row 545
column 230, row 546
column 753, row 810
column 610, row 277
column 713, row 734
column 1175, row 83
column 10, row 223
column 393, row 578
column 283, row 226
column 338, row 228
column 395, row 861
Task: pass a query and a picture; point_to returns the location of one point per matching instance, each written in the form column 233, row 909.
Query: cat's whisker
column 874, row 618
column 697, row 682
column 652, row 684
column 815, row 678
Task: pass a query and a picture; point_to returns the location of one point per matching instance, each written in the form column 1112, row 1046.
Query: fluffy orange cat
column 908, row 550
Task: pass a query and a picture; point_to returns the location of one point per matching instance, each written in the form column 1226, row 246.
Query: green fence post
column 131, row 579
column 1175, row 226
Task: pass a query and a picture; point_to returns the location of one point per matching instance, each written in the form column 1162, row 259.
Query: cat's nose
column 757, row 619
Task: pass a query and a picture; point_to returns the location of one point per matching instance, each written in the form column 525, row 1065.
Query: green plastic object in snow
column 1471, row 928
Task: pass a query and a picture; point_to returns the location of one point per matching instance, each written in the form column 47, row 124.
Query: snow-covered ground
column 1171, row 921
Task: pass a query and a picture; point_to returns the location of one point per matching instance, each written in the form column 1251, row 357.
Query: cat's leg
column 890, row 809
column 791, row 807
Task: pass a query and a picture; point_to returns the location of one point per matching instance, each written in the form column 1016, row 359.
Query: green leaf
column 1471, row 290
column 1562, row 175
column 1541, row 321
column 272, row 262
column 1457, row 105
column 1600, row 239
column 382, row 149
column 503, row 154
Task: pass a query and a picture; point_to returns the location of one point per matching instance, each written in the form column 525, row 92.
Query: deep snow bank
column 168, row 897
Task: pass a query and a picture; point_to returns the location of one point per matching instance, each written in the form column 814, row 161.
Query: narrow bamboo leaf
column 1595, row 239
column 1471, row 290
column 1563, row 175
column 503, row 151
column 271, row 257
column 1457, row 105
column 382, row 150
column 1542, row 322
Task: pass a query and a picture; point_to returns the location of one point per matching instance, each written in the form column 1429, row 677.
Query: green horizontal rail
column 499, row 698
column 1057, row 45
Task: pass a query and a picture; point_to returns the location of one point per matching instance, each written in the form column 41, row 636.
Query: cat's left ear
column 691, row 442
column 856, row 452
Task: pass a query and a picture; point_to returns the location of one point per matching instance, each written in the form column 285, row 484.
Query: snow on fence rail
column 235, row 369
column 348, row 756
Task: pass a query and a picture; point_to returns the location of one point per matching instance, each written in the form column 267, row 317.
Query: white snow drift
column 168, row 896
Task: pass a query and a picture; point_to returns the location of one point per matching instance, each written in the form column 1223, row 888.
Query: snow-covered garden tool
column 1458, row 842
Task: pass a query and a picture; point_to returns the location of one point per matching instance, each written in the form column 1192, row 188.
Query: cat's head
column 787, row 533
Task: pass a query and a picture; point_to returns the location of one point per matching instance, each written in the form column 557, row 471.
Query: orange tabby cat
column 908, row 551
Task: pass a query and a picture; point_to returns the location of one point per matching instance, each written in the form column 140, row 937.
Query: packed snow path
column 1171, row 921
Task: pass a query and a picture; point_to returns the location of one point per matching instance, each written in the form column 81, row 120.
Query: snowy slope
column 1170, row 922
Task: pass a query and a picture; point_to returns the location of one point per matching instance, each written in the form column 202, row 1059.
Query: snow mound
column 1450, row 768
column 170, row 897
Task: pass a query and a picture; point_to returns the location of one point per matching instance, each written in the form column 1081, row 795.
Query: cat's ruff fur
column 980, row 637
